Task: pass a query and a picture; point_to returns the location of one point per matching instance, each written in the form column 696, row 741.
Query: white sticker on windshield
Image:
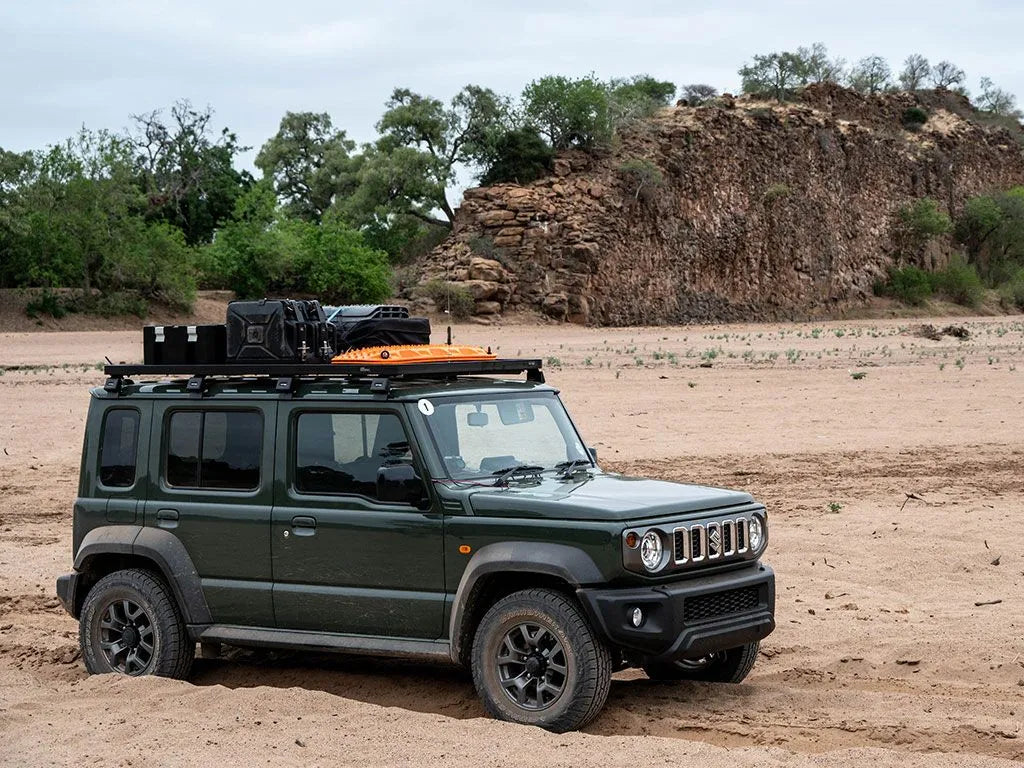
column 426, row 407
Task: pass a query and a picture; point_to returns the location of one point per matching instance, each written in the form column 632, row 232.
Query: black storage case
column 385, row 333
column 279, row 329
column 183, row 344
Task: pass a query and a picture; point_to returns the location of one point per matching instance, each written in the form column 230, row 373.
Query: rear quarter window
column 119, row 445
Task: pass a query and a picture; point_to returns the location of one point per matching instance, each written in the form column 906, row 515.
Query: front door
column 344, row 561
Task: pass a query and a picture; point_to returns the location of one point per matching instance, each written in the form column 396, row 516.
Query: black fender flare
column 160, row 547
column 570, row 564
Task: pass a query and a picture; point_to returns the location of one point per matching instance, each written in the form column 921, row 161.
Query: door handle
column 304, row 525
column 167, row 518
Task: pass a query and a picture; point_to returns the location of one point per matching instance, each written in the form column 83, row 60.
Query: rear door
column 211, row 485
column 343, row 560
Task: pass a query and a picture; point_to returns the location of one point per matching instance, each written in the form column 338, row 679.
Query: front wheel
column 730, row 666
column 536, row 661
column 131, row 624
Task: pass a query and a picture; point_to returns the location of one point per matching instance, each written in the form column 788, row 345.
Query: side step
column 428, row 650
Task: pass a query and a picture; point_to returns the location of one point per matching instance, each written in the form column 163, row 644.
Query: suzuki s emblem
column 715, row 537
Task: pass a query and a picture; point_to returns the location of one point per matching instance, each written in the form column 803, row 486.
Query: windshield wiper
column 566, row 467
column 504, row 475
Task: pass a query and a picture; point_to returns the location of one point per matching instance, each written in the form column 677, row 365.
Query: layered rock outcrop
column 738, row 210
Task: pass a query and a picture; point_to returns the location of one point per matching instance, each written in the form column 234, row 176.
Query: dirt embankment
column 890, row 649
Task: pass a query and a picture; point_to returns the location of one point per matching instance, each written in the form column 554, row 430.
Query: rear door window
column 214, row 449
column 119, row 445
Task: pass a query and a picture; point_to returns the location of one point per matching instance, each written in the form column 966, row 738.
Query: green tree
column 187, row 169
column 310, row 164
column 991, row 228
column 263, row 251
column 422, row 141
column 520, row 156
column 918, row 223
column 569, row 112
column 915, row 72
column 776, row 75
column 870, row 75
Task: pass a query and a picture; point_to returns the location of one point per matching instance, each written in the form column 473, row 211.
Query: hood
column 601, row 497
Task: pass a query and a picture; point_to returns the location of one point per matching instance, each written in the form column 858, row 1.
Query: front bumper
column 688, row 618
column 66, row 588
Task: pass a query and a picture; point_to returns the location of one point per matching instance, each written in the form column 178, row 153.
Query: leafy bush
column 914, row 118
column 918, row 223
column 911, row 285
column 637, row 97
column 448, row 296
column 263, row 251
column 642, row 176
column 959, row 282
column 776, row 191
column 520, row 156
column 47, row 303
column 1011, row 293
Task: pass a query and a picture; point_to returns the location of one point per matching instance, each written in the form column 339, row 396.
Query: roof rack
column 286, row 373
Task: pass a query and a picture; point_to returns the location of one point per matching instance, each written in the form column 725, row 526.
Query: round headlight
column 756, row 533
column 650, row 550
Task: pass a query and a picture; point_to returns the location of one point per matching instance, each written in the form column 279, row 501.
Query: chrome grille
column 711, row 541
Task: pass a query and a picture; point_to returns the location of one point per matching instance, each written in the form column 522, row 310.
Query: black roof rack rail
column 438, row 369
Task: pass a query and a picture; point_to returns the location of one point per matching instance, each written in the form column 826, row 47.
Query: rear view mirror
column 477, row 419
column 399, row 484
column 514, row 412
column 593, row 453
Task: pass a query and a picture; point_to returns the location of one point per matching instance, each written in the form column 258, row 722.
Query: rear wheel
column 730, row 666
column 130, row 624
column 536, row 661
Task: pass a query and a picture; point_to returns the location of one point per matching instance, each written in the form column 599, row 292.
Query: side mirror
column 399, row 484
column 593, row 453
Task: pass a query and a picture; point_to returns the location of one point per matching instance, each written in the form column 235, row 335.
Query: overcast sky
column 95, row 63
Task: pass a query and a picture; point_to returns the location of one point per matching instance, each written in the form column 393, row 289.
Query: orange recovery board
column 412, row 353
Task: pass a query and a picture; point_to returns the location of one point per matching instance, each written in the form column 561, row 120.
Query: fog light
column 637, row 617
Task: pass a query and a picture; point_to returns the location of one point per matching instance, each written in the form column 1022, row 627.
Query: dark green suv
column 420, row 513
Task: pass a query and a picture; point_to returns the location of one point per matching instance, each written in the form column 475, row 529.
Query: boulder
column 487, row 308
column 487, row 270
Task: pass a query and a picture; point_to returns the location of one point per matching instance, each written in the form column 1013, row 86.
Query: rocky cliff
column 735, row 210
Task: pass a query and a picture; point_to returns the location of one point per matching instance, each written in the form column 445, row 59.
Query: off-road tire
column 173, row 649
column 588, row 661
column 732, row 666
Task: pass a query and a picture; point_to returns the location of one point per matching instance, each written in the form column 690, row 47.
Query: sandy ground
column 882, row 654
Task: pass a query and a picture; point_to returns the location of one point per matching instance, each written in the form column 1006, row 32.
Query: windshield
column 481, row 436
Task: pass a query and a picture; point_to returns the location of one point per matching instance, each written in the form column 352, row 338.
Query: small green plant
column 449, row 297
column 834, row 507
column 914, row 118
column 959, row 363
column 858, row 375
column 709, row 354
column 554, row 362
column 691, row 384
column 642, row 178
column 588, row 361
column 776, row 191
